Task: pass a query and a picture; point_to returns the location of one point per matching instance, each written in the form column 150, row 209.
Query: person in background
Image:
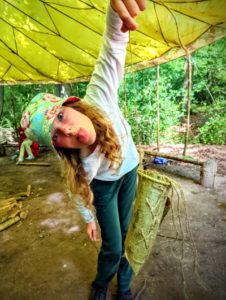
column 94, row 140
column 26, row 147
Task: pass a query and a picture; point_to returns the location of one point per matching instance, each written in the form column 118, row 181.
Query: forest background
column 137, row 94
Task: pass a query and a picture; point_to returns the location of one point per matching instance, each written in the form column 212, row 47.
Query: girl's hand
column 127, row 11
column 91, row 230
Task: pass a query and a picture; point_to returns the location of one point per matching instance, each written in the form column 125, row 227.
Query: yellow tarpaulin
column 59, row 40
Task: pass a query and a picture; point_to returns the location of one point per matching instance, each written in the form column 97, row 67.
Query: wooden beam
column 185, row 160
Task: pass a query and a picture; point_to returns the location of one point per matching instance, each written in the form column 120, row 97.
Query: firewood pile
column 11, row 210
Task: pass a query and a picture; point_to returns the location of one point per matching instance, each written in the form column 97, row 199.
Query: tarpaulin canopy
column 59, row 40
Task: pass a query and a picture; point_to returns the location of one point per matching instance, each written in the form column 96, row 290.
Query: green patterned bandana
column 37, row 119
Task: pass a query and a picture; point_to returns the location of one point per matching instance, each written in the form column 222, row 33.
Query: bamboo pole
column 189, row 75
column 1, row 99
column 8, row 213
column 13, row 99
column 125, row 98
column 157, row 106
column 7, row 201
column 9, row 223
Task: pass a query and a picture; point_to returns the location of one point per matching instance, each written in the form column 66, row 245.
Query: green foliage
column 209, row 74
column 79, row 89
column 139, row 106
column 214, row 129
column 208, row 94
column 16, row 98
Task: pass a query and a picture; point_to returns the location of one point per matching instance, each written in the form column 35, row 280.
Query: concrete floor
column 48, row 255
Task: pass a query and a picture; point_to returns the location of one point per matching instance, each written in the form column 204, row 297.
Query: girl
column 94, row 140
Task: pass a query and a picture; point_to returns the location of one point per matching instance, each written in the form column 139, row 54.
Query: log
column 6, row 205
column 18, row 196
column 12, row 214
column 4, row 209
column 33, row 164
column 23, row 214
column 9, row 212
column 9, row 223
column 185, row 160
column 3, row 219
column 9, row 208
column 7, row 201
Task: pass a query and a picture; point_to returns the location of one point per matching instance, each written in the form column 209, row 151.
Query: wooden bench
column 208, row 168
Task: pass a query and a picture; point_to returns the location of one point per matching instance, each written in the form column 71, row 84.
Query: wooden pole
column 33, row 164
column 157, row 106
column 125, row 98
column 9, row 222
column 189, row 76
column 13, row 99
column 1, row 98
column 136, row 111
column 185, row 160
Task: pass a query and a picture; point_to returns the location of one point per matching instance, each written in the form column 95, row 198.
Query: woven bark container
column 153, row 189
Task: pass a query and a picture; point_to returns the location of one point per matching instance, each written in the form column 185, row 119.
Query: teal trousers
column 113, row 202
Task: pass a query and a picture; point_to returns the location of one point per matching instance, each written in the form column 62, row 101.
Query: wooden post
column 189, row 75
column 15, row 125
column 125, row 98
column 157, row 106
column 136, row 112
column 208, row 173
column 1, row 99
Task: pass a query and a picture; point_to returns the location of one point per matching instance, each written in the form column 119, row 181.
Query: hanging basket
column 153, row 190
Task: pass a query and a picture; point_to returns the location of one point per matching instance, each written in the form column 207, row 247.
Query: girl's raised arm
column 103, row 87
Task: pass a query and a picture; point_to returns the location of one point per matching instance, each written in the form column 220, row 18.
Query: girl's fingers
column 95, row 236
column 127, row 11
column 142, row 4
column 127, row 19
column 124, row 28
column 132, row 7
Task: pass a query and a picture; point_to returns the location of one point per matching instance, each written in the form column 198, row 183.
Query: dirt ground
column 48, row 255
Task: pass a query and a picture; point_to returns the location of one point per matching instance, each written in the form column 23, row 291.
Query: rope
column 178, row 33
column 141, row 290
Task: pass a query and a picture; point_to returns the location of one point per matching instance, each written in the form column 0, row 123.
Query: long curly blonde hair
column 109, row 145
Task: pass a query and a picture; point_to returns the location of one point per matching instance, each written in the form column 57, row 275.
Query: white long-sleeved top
column 102, row 92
